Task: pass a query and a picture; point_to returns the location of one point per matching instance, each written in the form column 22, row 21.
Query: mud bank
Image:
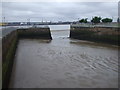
column 9, row 45
column 110, row 35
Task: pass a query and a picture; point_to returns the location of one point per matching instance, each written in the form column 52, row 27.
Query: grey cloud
column 55, row 11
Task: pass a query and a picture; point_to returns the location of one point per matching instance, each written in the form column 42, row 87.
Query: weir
column 64, row 63
column 71, row 59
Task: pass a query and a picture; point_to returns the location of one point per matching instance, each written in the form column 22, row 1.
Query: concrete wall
column 9, row 45
column 109, row 35
column 35, row 33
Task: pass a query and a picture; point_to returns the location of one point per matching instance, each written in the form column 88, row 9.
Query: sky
column 57, row 11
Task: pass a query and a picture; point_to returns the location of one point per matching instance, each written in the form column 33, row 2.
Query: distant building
column 3, row 24
column 23, row 23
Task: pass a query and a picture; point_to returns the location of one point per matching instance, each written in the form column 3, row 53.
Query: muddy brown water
column 64, row 63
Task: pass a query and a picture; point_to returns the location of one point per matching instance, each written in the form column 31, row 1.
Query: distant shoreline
column 59, row 30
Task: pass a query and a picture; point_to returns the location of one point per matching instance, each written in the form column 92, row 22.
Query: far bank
column 109, row 35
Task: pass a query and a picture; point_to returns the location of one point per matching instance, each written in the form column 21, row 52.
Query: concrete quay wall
column 110, row 35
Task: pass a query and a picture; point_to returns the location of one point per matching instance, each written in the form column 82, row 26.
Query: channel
column 64, row 63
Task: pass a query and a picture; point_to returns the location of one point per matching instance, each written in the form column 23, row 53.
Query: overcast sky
column 58, row 11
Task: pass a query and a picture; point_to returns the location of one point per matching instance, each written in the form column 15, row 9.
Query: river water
column 64, row 63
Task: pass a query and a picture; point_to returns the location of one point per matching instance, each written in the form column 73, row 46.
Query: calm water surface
column 64, row 63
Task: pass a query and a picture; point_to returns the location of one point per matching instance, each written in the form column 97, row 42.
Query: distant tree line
column 83, row 20
column 96, row 20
